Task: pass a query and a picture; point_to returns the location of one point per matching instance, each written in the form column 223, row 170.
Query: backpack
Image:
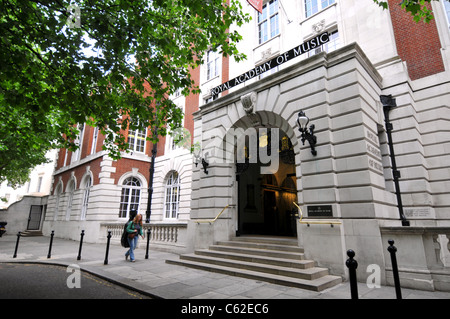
column 124, row 238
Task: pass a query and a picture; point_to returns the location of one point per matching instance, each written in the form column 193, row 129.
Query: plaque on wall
column 320, row 211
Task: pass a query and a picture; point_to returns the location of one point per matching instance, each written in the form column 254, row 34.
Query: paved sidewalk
column 154, row 277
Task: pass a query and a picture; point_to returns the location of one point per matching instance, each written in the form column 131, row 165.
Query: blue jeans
column 133, row 243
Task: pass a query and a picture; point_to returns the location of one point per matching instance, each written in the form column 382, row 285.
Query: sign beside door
column 320, row 211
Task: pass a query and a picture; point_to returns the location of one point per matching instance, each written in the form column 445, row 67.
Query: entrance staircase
column 276, row 260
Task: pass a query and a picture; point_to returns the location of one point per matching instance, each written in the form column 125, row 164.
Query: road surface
column 40, row 281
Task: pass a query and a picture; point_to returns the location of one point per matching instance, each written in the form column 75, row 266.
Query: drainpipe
column 388, row 104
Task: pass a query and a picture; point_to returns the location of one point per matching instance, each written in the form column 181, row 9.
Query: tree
column 110, row 63
column 417, row 8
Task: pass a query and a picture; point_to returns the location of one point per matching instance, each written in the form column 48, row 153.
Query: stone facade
column 352, row 173
column 350, row 179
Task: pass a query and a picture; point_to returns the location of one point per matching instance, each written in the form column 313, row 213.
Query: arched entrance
column 265, row 201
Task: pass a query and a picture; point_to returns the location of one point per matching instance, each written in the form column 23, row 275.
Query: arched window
column 87, row 190
column 172, row 198
column 58, row 198
column 130, row 197
column 70, row 190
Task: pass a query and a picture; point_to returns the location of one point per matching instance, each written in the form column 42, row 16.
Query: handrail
column 312, row 221
column 211, row 221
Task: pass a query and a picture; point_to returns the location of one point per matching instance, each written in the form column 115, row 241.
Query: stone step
column 307, row 273
column 296, row 255
column 271, row 258
column 318, row 284
column 277, row 260
column 31, row 233
column 285, row 241
column 266, row 246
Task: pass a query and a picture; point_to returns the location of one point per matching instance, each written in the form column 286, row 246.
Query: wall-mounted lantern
column 307, row 135
column 198, row 159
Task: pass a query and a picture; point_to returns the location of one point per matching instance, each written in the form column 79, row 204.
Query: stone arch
column 136, row 174
column 269, row 119
column 72, row 181
column 59, row 189
column 58, row 193
column 86, row 175
column 177, row 164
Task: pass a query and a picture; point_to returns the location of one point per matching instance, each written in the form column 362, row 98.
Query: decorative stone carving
column 266, row 54
column 248, row 102
column 448, row 243
column 207, row 93
column 437, row 249
column 319, row 26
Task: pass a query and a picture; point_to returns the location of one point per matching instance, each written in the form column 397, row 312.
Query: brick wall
column 125, row 165
column 192, row 103
column 79, row 172
column 60, row 160
column 417, row 43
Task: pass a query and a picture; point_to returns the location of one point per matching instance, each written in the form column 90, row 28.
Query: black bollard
column 392, row 250
column 17, row 245
column 50, row 246
column 148, row 242
column 107, row 247
column 81, row 245
column 352, row 265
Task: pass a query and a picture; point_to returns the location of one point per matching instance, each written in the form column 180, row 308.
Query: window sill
column 266, row 42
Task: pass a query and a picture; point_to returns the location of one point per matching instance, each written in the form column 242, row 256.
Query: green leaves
column 123, row 60
column 417, row 8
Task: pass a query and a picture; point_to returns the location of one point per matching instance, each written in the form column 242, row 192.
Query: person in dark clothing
column 134, row 230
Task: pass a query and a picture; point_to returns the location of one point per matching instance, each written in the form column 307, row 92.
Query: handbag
column 131, row 235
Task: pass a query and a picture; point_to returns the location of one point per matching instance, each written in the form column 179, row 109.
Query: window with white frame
column 268, row 21
column 79, row 140
column 177, row 93
column 172, row 195
column 447, row 11
column 65, row 157
column 94, row 140
column 174, row 140
column 39, row 184
column 71, row 190
column 130, row 196
column 58, row 199
column 330, row 46
column 86, row 193
column 136, row 140
column 212, row 64
column 314, row 6
column 211, row 98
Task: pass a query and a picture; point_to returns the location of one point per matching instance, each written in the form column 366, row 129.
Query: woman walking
column 134, row 229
